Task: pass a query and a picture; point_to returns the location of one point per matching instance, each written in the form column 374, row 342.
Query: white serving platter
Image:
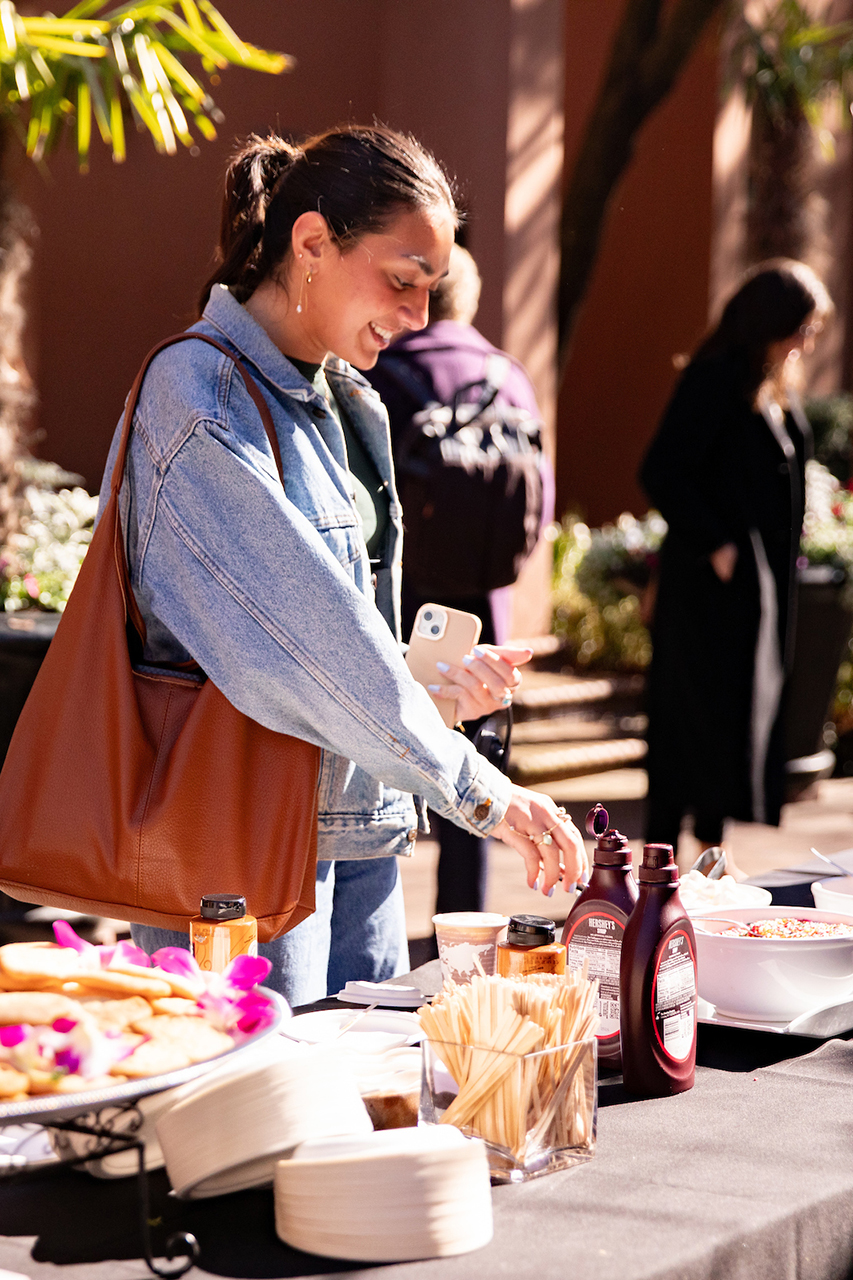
column 50, row 1107
column 820, row 1023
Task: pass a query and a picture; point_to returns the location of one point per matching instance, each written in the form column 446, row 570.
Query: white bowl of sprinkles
column 801, row 960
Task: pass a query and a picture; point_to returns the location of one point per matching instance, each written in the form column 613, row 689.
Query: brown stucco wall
column 648, row 298
column 123, row 251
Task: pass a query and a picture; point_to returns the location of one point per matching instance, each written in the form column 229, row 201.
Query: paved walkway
column 824, row 820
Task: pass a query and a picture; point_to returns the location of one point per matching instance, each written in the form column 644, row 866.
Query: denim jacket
column 271, row 590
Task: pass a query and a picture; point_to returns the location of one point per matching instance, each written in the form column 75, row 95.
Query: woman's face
column 798, row 344
column 359, row 300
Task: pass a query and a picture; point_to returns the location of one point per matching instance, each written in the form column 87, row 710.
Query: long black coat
column 719, row 472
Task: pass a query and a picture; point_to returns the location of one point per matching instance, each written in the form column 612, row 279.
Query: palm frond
column 96, row 61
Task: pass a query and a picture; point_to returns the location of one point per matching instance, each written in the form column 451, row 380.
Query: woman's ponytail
column 250, row 181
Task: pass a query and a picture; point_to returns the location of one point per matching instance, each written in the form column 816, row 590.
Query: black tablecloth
column 748, row 1175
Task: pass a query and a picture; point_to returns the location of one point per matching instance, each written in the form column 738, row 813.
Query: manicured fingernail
column 585, row 879
column 443, row 667
column 571, row 887
column 468, row 659
column 434, row 688
column 479, row 651
column 538, row 883
column 551, row 891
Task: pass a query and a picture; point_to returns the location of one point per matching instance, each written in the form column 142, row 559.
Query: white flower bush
column 40, row 563
column 828, row 524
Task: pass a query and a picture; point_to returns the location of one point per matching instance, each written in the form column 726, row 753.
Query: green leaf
column 101, row 59
column 116, row 122
column 84, row 125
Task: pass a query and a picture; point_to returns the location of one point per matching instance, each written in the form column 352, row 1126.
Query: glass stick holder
column 536, row 1112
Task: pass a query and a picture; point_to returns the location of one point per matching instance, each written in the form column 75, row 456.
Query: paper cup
column 466, row 939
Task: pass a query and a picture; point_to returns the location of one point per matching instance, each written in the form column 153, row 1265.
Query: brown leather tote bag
column 131, row 793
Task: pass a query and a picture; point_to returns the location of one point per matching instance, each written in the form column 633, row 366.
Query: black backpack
column 470, row 483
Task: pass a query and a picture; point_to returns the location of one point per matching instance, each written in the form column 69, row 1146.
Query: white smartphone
column 441, row 634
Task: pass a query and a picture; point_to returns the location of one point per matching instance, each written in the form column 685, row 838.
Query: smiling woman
column 274, row 563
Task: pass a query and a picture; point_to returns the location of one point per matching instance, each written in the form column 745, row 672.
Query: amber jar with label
column 530, row 947
column 222, row 931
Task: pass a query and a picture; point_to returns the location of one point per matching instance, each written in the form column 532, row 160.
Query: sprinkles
column 791, row 927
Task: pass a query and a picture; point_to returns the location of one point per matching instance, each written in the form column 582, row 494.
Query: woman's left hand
column 485, row 681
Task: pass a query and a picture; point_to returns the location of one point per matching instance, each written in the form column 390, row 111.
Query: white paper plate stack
column 394, row 1196
column 228, row 1135
column 121, row 1164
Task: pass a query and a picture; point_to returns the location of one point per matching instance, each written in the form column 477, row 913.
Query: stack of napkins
column 393, row 1196
column 229, row 1134
column 389, row 994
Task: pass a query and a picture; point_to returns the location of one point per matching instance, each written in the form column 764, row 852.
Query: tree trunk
column 647, row 57
column 17, row 395
column 780, row 154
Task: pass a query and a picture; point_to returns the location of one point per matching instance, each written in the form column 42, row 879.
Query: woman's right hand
column 723, row 561
column 529, row 817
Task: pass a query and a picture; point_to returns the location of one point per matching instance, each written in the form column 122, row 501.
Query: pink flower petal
column 126, row 953
column 256, row 1014
column 63, row 1025
column 69, row 1059
column 176, row 960
column 66, row 937
column 11, row 1036
column 245, row 972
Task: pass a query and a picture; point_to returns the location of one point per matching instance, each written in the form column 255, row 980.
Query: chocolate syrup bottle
column 596, row 925
column 658, row 984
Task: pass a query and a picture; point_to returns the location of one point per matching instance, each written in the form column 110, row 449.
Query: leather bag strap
column 254, row 391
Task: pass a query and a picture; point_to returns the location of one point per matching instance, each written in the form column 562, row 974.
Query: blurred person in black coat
column 727, row 472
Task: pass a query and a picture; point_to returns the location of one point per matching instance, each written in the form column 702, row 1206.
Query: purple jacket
column 446, row 355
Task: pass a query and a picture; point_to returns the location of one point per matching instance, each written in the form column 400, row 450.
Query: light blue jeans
column 358, row 932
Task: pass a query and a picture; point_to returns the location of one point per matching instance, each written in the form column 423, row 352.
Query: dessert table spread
column 748, row 1175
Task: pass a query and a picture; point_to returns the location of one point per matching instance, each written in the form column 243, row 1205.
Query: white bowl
column 699, row 894
column 772, row 979
column 835, row 894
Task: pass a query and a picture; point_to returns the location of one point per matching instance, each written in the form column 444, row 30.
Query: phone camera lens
column 434, row 630
column 428, row 617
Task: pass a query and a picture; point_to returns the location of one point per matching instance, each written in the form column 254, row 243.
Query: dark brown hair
column 358, row 177
column 775, row 299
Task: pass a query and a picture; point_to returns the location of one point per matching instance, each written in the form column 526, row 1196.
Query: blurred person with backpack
column 476, row 491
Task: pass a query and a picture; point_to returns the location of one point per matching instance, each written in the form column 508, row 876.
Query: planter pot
column 824, row 621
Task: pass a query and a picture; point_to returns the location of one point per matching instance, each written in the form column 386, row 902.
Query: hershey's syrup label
column 596, row 936
column 674, row 995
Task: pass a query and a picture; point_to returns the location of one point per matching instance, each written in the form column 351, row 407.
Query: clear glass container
column 536, row 1112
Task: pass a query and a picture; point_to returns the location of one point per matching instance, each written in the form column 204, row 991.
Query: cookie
column 37, row 966
column 37, row 1008
column 197, row 1038
column 110, row 982
column 117, row 1014
column 12, row 1082
column 176, row 1004
column 152, row 1058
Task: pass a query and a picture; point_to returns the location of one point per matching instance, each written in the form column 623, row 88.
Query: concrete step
column 546, row 694
column 584, row 726
column 532, row 763
column 569, row 725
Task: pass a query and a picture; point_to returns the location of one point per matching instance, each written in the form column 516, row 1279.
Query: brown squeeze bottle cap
column 612, row 848
column 530, row 931
column 658, row 865
column 222, row 906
